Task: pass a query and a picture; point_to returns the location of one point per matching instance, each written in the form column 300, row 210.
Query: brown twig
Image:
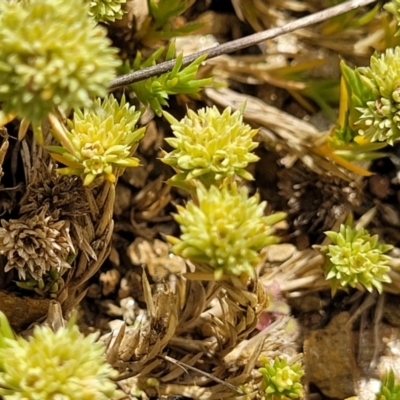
column 239, row 44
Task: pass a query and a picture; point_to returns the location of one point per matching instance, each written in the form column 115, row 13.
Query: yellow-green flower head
column 393, row 7
column 52, row 54
column 106, row 10
column 356, row 257
column 101, row 139
column 282, row 381
column 210, row 146
column 225, row 230
column 62, row 365
column 381, row 116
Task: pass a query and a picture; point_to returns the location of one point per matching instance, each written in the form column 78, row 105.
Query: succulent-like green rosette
column 280, row 380
column 380, row 117
column 356, row 258
column 52, row 55
column 101, row 139
column 210, row 146
column 54, row 365
column 225, row 229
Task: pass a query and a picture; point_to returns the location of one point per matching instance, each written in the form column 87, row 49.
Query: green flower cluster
column 53, row 365
column 355, row 257
column 381, row 115
column 100, row 139
column 224, row 229
column 210, row 147
column 52, row 55
column 393, row 7
column 390, row 389
column 281, row 381
column 106, row 10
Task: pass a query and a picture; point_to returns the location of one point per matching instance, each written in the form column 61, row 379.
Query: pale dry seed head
column 35, row 245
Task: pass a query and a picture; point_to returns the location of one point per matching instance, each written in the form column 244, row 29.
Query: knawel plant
column 369, row 116
column 53, row 57
column 222, row 227
column 54, row 365
column 210, row 147
column 280, row 380
column 99, row 140
column 356, row 259
column 225, row 229
column 345, row 142
column 380, row 116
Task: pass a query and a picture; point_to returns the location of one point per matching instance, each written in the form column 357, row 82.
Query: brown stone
column 23, row 311
column 328, row 355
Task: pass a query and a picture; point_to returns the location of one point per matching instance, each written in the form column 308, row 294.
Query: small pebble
column 280, row 252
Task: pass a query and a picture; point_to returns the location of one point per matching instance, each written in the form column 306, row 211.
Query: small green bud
column 106, row 10
column 280, row 380
column 211, row 147
column 226, row 230
column 390, row 389
column 355, row 257
column 55, row 365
